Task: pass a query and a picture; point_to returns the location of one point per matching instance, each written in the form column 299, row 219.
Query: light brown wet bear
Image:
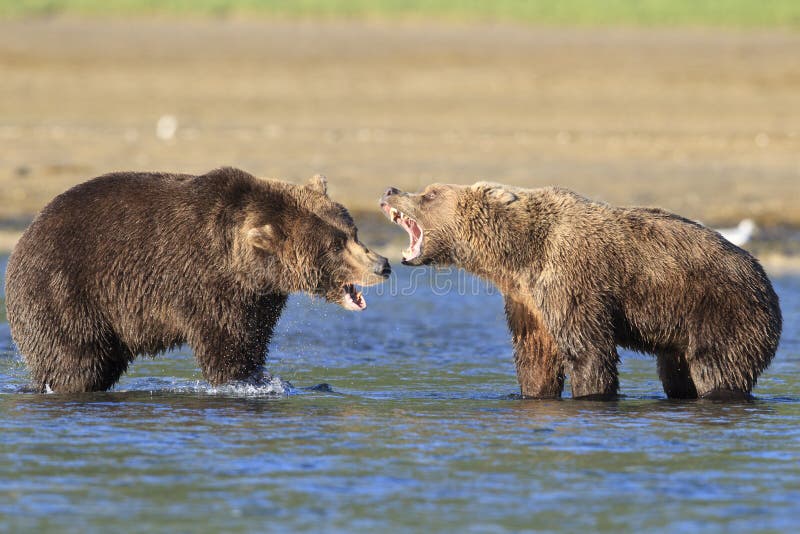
column 581, row 278
column 138, row 263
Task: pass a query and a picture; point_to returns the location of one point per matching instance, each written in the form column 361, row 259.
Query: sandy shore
column 705, row 123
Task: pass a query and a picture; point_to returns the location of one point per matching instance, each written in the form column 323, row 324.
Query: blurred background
column 690, row 105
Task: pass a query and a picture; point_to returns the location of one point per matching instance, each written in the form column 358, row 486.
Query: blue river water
column 402, row 418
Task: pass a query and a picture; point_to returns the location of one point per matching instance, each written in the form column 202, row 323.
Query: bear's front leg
column 225, row 356
column 584, row 335
column 233, row 346
column 593, row 373
column 591, row 359
column 540, row 369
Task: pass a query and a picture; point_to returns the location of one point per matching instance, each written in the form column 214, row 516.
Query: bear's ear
column 263, row 237
column 318, row 183
column 496, row 192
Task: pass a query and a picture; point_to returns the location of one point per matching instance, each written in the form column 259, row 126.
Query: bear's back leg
column 675, row 375
column 80, row 354
column 720, row 376
column 78, row 368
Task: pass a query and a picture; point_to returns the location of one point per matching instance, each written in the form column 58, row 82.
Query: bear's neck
column 508, row 248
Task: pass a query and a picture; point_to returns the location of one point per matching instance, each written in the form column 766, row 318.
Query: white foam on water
column 268, row 386
column 275, row 386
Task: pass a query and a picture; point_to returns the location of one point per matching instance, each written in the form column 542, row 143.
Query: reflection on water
column 420, row 430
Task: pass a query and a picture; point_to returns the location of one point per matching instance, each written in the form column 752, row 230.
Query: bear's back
column 638, row 233
column 651, row 253
column 132, row 209
column 111, row 213
column 124, row 238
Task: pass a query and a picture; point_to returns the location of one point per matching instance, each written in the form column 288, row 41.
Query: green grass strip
column 670, row 13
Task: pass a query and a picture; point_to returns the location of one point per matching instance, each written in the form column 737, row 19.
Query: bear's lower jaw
column 352, row 299
column 415, row 262
column 412, row 254
column 416, row 235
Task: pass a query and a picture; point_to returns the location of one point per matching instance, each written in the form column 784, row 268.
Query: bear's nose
column 391, row 191
column 383, row 268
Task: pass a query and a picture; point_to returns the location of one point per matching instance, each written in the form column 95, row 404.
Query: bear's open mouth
column 415, row 232
column 353, row 299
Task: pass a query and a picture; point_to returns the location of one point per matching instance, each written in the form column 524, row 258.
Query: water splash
column 273, row 386
column 267, row 386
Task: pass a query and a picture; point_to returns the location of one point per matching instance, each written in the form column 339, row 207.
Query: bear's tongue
column 353, row 299
column 415, row 233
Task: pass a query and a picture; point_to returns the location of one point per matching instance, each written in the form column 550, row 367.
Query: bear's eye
column 430, row 195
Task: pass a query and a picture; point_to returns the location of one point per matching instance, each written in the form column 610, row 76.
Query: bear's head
column 298, row 239
column 451, row 224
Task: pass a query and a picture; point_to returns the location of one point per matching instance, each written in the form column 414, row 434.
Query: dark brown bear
column 138, row 263
column 581, row 278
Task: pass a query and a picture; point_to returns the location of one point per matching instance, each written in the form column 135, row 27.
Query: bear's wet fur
column 138, row 263
column 580, row 278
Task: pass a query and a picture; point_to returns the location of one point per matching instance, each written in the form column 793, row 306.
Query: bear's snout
column 391, row 191
column 382, row 267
